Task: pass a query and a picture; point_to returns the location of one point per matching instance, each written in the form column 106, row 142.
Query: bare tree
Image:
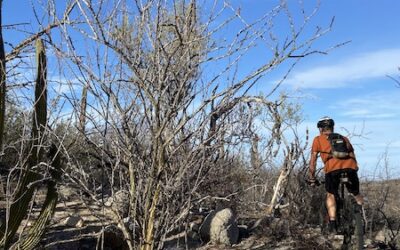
column 162, row 98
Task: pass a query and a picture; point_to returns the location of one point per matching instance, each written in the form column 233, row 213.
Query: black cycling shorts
column 332, row 181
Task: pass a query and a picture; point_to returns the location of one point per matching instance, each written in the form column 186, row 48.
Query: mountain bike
column 348, row 216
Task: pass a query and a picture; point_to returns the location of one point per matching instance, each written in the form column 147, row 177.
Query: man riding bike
column 333, row 167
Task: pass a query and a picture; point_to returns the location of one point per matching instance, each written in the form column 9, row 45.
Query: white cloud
column 380, row 105
column 61, row 85
column 376, row 137
column 361, row 66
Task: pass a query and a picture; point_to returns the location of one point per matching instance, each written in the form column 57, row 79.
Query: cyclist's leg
column 331, row 187
column 354, row 186
column 359, row 199
column 331, row 205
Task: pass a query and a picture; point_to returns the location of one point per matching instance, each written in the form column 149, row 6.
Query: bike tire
column 353, row 230
column 323, row 219
column 346, row 222
column 359, row 229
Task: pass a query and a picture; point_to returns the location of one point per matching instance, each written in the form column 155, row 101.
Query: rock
column 220, row 227
column 284, row 248
column 386, row 236
column 368, row 243
column 74, row 221
column 66, row 193
column 108, row 202
column 120, row 203
column 380, row 236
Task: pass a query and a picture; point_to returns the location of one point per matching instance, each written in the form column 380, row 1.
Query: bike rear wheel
column 353, row 230
column 359, row 228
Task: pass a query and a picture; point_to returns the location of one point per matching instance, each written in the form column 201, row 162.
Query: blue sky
column 350, row 84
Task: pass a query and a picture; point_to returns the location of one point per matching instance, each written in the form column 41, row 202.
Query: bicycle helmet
column 325, row 121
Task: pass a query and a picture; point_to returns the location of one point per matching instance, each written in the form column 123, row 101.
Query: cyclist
column 333, row 167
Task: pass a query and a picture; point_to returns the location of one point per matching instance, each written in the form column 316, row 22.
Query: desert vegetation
column 138, row 122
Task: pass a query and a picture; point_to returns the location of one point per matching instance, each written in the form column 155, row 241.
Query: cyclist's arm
column 314, row 156
column 313, row 164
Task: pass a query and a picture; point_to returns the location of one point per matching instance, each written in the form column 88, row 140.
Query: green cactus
column 40, row 111
column 25, row 189
column 82, row 115
column 36, row 232
column 2, row 83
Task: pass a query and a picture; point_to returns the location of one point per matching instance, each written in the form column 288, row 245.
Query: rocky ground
column 75, row 226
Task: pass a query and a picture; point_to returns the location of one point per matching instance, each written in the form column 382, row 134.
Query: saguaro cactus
column 37, row 230
column 40, row 110
column 82, row 115
column 25, row 189
column 2, row 83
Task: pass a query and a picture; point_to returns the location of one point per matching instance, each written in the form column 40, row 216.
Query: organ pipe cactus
column 26, row 187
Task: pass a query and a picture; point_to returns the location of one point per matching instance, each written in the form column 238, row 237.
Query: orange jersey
column 322, row 146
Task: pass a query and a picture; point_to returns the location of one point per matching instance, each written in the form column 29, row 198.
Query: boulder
column 220, row 227
column 119, row 202
column 66, row 193
column 74, row 221
column 386, row 236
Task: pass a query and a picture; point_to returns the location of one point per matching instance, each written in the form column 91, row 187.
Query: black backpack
column 339, row 147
